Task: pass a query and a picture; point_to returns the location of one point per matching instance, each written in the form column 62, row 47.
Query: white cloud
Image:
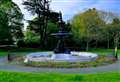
column 27, row 15
column 67, row 7
column 70, row 7
column 108, row 5
column 63, row 5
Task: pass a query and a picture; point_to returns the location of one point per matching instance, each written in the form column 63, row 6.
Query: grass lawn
column 19, row 51
column 104, row 51
column 25, row 51
column 56, row 77
column 3, row 53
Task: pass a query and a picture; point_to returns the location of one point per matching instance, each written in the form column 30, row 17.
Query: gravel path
column 113, row 67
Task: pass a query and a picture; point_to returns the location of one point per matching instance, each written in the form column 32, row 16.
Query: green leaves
column 4, row 27
column 86, row 24
column 10, row 20
column 31, row 37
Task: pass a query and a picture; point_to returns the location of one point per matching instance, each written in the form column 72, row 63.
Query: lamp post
column 116, row 54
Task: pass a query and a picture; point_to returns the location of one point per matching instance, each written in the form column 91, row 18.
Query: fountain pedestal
column 61, row 35
column 61, row 45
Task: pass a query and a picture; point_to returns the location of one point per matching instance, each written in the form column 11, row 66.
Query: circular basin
column 50, row 56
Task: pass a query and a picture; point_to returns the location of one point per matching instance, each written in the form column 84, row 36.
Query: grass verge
column 28, row 50
column 56, row 77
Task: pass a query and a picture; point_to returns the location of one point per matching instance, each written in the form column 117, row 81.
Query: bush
column 31, row 39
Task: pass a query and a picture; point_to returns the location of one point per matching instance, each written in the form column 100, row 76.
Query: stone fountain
column 61, row 35
column 61, row 53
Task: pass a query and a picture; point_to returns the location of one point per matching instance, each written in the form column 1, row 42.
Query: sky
column 71, row 7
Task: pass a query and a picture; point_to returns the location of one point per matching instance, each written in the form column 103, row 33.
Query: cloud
column 108, row 5
column 62, row 5
column 71, row 7
column 27, row 15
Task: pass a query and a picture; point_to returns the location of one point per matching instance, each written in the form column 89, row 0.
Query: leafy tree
column 107, row 17
column 52, row 27
column 113, row 31
column 31, row 38
column 85, row 26
column 5, row 35
column 41, row 9
column 14, row 16
column 50, row 40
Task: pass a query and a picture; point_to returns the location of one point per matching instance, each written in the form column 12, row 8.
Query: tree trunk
column 108, row 43
column 87, row 45
column 41, row 40
column 96, row 44
column 41, row 34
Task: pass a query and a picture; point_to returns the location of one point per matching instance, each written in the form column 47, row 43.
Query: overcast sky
column 71, row 7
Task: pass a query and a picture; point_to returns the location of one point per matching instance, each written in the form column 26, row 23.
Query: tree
column 50, row 40
column 5, row 35
column 52, row 27
column 31, row 38
column 107, row 17
column 113, row 31
column 14, row 16
column 41, row 8
column 85, row 26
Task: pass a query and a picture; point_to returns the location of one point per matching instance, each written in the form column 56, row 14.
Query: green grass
column 103, row 51
column 21, row 51
column 56, row 77
column 28, row 50
column 3, row 53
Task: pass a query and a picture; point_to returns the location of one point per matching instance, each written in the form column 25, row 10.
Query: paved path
column 108, row 68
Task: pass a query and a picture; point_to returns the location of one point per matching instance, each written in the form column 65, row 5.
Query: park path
column 109, row 68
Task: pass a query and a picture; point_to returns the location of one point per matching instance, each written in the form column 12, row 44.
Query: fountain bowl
column 74, row 56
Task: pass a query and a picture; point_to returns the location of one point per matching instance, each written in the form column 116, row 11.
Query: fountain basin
column 51, row 56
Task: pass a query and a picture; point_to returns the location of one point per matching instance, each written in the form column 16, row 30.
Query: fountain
column 61, row 35
column 61, row 53
column 74, row 56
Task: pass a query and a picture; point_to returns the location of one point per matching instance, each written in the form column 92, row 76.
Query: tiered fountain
column 61, row 52
column 61, row 35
